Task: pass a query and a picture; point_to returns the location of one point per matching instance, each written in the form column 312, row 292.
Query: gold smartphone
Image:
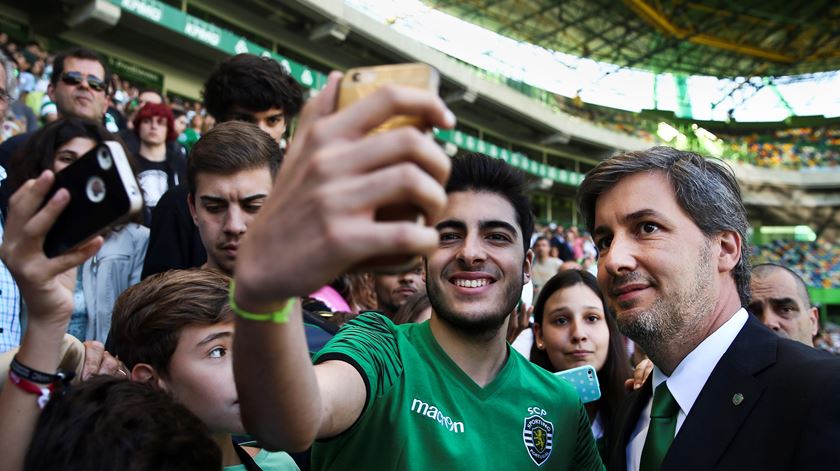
column 360, row 82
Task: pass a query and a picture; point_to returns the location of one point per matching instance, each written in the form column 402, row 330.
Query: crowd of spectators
column 818, row 261
column 620, row 121
column 31, row 107
column 151, row 308
column 791, row 149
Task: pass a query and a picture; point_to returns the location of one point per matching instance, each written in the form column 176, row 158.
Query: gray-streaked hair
column 705, row 189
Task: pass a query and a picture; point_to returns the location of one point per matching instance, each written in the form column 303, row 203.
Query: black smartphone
column 103, row 192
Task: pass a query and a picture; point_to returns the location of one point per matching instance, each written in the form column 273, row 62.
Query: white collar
column 689, row 377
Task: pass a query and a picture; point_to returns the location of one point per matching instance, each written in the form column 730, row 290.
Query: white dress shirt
column 686, row 382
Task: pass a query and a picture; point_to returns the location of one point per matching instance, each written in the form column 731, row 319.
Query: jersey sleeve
column 586, row 451
column 369, row 344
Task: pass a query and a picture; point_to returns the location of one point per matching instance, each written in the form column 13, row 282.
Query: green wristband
column 278, row 317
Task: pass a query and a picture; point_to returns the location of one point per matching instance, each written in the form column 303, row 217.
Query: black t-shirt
column 174, row 240
column 154, row 178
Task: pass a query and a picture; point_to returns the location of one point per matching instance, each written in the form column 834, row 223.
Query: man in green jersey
column 445, row 394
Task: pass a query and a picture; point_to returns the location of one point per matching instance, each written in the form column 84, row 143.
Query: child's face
column 201, row 376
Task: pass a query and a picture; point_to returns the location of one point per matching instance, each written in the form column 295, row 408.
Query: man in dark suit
column 725, row 392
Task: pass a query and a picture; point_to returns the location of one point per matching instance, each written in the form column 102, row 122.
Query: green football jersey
column 423, row 412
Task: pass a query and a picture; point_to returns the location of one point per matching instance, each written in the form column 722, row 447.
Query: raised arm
column 318, row 223
column 46, row 286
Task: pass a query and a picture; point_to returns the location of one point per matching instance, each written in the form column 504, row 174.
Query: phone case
column 360, row 82
column 585, row 381
column 357, row 84
column 103, row 192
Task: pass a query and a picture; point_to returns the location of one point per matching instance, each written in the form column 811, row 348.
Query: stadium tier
column 818, row 262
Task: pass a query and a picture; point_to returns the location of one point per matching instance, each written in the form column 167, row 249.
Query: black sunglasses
column 76, row 78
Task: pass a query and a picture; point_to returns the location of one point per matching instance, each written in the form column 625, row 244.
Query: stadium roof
column 718, row 37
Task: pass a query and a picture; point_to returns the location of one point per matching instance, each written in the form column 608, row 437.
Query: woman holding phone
column 119, row 262
column 572, row 328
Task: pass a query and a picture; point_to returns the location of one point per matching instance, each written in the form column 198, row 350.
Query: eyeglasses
column 5, row 98
column 76, row 78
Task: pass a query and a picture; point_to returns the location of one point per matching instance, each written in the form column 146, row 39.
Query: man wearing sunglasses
column 79, row 85
column 79, row 88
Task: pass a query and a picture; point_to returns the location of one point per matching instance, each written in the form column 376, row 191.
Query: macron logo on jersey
column 434, row 413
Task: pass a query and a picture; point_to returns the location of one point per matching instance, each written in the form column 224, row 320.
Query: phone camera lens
column 95, row 189
column 104, row 158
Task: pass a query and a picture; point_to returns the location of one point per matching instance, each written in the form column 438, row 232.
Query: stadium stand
column 818, row 262
column 793, row 149
column 557, row 167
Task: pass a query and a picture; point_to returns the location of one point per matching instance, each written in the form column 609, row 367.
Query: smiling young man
column 672, row 234
column 229, row 173
column 444, row 394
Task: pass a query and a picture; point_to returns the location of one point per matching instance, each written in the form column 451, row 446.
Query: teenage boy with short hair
column 175, row 330
column 246, row 88
column 229, row 176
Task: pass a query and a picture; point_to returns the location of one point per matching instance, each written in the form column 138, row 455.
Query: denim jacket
column 114, row 268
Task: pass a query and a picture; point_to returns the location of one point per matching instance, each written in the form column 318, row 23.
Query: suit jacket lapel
column 627, row 418
column 725, row 401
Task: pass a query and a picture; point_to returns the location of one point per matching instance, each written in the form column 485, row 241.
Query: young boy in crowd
column 229, row 175
column 175, row 330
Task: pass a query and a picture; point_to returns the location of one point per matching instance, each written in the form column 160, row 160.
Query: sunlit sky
column 600, row 83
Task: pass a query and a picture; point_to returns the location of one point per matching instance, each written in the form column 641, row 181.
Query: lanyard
column 246, row 459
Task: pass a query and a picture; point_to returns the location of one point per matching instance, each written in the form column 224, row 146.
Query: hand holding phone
column 361, row 82
column 46, row 284
column 334, row 178
column 103, row 192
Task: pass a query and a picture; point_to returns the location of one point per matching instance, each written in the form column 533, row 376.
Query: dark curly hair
column 252, row 83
